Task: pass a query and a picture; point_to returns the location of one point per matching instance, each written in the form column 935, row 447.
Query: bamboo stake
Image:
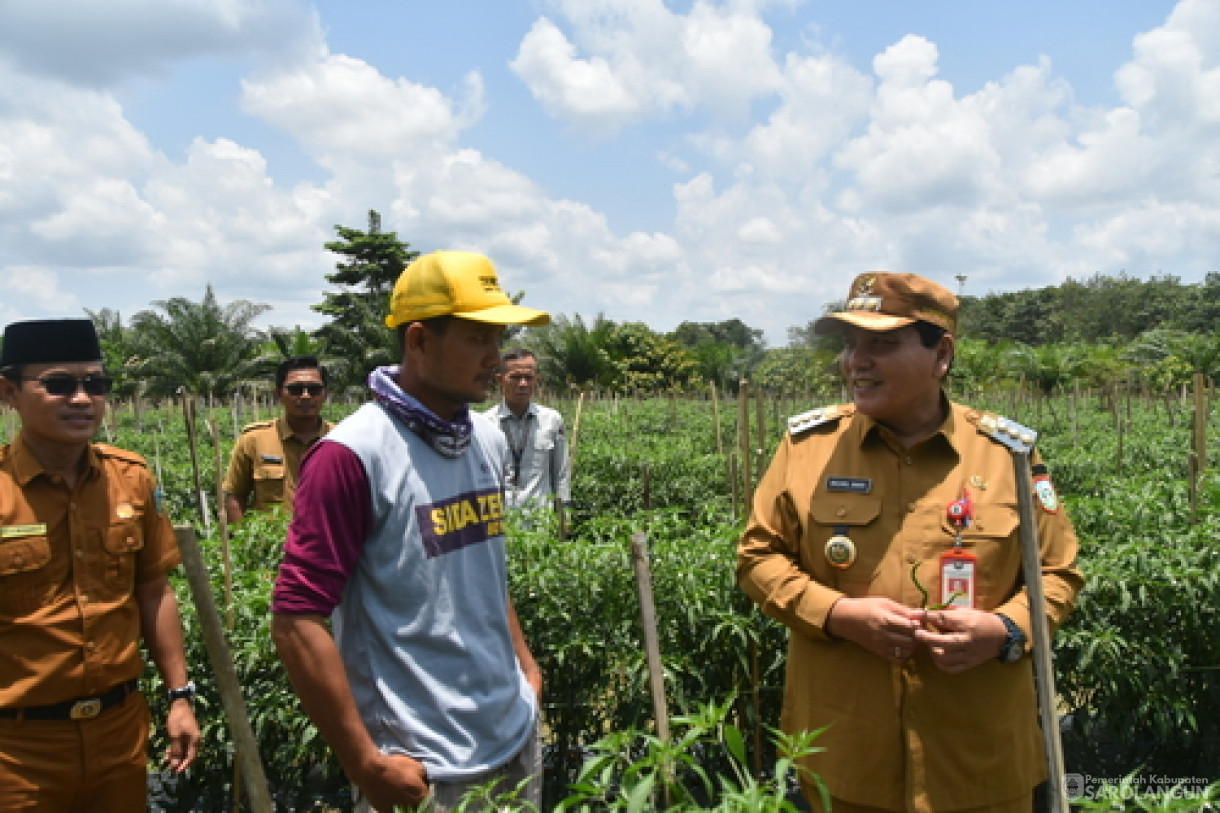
column 575, row 433
column 1198, row 455
column 716, row 419
column 226, row 557
column 244, row 743
column 188, row 414
column 760, row 436
column 652, row 646
column 733, row 482
column 743, row 437
column 1044, row 668
column 1200, row 420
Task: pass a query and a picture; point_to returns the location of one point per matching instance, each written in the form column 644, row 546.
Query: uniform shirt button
column 79, row 552
column 908, row 460
column 910, row 507
column 840, row 511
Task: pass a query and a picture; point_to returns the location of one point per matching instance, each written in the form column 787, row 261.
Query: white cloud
column 843, row 169
column 626, row 60
column 922, row 148
column 344, row 111
column 98, row 44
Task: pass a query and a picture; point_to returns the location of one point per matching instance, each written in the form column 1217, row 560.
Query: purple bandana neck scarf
column 448, row 439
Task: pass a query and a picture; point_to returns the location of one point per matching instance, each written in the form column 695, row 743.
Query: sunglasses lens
column 62, row 384
column 97, row 384
column 300, row 389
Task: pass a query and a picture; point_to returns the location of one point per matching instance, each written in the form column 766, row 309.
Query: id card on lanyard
column 958, row 566
column 957, row 575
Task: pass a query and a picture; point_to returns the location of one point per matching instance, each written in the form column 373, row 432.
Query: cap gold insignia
column 124, row 511
column 840, row 551
column 865, row 286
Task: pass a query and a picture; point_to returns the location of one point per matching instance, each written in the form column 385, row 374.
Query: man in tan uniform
column 864, row 507
column 267, row 458
column 84, row 552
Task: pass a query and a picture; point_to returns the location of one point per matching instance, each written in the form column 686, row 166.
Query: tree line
column 1155, row 334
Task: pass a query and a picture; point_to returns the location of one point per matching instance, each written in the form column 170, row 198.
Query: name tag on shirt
column 21, row 531
column 852, row 485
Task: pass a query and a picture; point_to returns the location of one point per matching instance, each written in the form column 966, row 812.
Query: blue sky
column 649, row 161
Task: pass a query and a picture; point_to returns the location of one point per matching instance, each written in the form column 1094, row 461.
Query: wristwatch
column 1014, row 644
column 186, row 692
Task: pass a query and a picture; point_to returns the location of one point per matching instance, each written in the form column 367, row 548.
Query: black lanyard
column 518, row 448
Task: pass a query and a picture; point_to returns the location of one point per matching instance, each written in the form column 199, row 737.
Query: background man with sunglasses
column 84, row 553
column 267, row 457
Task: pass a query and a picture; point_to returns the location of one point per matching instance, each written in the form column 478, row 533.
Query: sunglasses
column 62, row 384
column 300, row 389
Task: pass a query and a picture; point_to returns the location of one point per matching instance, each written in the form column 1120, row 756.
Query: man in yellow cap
column 864, row 508
column 427, row 688
column 84, row 552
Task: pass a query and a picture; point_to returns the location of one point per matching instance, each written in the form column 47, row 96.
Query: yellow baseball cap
column 456, row 283
column 881, row 302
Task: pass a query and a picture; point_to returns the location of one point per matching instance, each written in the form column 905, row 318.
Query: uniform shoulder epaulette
column 106, row 450
column 1003, row 430
column 799, row 424
column 257, row 425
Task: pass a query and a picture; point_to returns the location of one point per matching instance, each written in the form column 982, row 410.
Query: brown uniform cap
column 890, row 301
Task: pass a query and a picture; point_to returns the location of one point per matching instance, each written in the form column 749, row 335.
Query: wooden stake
column 244, row 743
column 733, row 481
column 226, row 558
column 743, row 437
column 575, row 434
column 760, row 436
column 652, row 646
column 716, row 419
column 188, row 414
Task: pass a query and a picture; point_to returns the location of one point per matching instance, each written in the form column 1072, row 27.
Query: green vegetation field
column 1138, row 663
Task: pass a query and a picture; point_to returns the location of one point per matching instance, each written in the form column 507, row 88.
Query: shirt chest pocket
column 122, row 544
column 543, row 448
column 849, row 516
column 269, row 483
column 24, row 581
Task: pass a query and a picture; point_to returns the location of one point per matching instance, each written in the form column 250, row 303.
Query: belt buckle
column 86, row 709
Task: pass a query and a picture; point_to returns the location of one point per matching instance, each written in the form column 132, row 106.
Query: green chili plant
column 634, row 771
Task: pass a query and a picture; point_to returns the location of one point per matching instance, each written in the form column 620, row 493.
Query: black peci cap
column 49, row 340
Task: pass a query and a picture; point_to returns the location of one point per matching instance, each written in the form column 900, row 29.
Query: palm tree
column 117, row 350
column 572, row 353
column 1049, row 367
column 204, row 347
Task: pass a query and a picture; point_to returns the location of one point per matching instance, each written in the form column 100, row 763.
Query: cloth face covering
column 448, row 439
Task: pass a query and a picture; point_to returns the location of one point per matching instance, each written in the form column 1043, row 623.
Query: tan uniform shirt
column 910, row 732
column 69, row 563
column 266, row 461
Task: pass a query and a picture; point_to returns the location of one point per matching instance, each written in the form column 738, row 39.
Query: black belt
column 84, row 709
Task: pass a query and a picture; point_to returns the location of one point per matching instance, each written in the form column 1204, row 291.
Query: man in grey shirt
column 540, row 470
